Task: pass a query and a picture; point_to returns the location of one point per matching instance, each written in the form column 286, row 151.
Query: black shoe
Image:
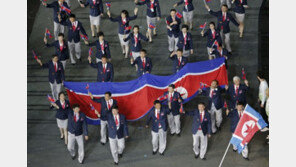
column 115, row 163
column 62, row 138
column 234, row 150
column 246, row 158
column 161, row 153
column 179, row 134
column 155, row 35
column 230, row 53
column 80, row 60
column 73, row 157
column 123, row 54
column 51, row 107
column 218, row 128
column 102, row 143
column 172, row 134
column 119, row 155
column 204, row 158
column 214, row 132
column 73, row 64
column 81, row 162
column 93, row 36
column 196, row 156
column 154, row 152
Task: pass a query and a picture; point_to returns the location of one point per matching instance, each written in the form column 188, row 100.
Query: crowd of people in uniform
column 165, row 115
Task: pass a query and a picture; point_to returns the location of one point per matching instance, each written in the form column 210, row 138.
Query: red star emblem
column 248, row 129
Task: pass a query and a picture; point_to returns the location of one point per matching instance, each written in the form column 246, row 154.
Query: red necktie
column 171, row 98
column 63, row 105
column 186, row 2
column 75, row 118
column 152, row 6
column 212, row 93
column 220, row 52
column 61, row 47
column 201, row 118
column 179, row 59
column 213, row 34
column 109, row 106
column 239, row 114
column 94, row 1
column 55, row 67
column 224, row 17
column 185, row 40
column 104, row 69
column 236, row 91
column 136, row 40
column 123, row 21
column 241, row 1
column 157, row 115
column 73, row 26
column 143, row 62
column 116, row 121
column 102, row 47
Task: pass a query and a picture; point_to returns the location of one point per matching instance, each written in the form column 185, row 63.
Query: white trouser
column 174, row 123
column 74, row 47
column 226, row 40
column 216, row 117
column 186, row 53
column 203, row 143
column 244, row 152
column 68, row 3
column 57, row 28
column 116, row 147
column 226, row 2
column 159, row 140
column 64, row 64
column 135, row 55
column 187, row 16
column 104, row 125
column 172, row 43
column 71, row 146
column 240, row 17
column 55, row 89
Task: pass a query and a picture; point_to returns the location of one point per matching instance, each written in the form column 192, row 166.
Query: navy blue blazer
column 112, row 129
column 104, row 107
column 156, row 8
column 58, row 76
column 164, row 111
column 138, row 47
column 141, row 69
column 239, row 7
column 224, row 25
column 211, row 40
column 190, row 6
column 104, row 77
column 176, row 66
column 206, row 126
column 64, row 53
column 175, row 28
column 241, row 97
column 74, row 35
column 62, row 113
column 77, row 128
column 56, row 10
column 216, row 99
column 121, row 26
column 221, row 54
column 95, row 9
column 234, row 117
column 175, row 104
column 189, row 41
column 99, row 52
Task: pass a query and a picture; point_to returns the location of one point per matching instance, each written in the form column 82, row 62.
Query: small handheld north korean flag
column 201, row 85
column 207, row 1
column 151, row 26
column 203, row 26
column 167, row 22
column 50, row 99
column 225, row 104
column 90, row 51
column 34, row 54
column 64, row 8
column 47, row 32
column 216, row 44
column 181, row 108
column 92, row 107
column 128, row 28
column 179, row 15
column 108, row 4
column 87, row 86
column 243, row 74
column 84, row 37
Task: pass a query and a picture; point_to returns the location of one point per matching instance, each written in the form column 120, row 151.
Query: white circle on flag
column 247, row 127
column 183, row 92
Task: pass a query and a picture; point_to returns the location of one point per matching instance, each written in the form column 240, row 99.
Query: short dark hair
column 75, row 105
column 180, row 50
column 185, row 26
column 72, row 15
column 172, row 86
column 240, row 103
column 225, row 6
column 216, row 81
column 173, row 10
column 108, row 92
column 201, row 103
column 212, row 23
column 60, row 94
column 101, row 33
column 125, row 12
column 61, row 34
column 156, row 102
column 136, row 26
column 115, row 107
column 143, row 50
column 104, row 57
column 260, row 74
column 54, row 55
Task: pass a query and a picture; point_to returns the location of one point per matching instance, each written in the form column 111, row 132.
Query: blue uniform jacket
column 95, row 9
column 74, row 35
column 211, row 40
column 141, row 69
column 206, row 126
column 224, row 25
column 77, row 128
column 121, row 28
column 104, row 77
column 181, row 41
column 99, row 52
column 175, row 28
column 104, row 107
column 62, row 113
column 156, row 8
column 57, row 10
column 164, row 111
column 239, row 7
column 189, row 7
column 112, row 129
column 176, row 66
column 64, row 53
column 234, row 117
column 175, row 104
column 241, row 97
column 59, row 76
column 216, row 99
column 138, row 47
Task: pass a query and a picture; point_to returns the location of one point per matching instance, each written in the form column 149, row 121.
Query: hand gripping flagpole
column 220, row 165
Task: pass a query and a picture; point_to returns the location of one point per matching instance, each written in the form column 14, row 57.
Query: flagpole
column 224, row 154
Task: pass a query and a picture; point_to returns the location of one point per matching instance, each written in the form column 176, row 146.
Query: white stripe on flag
column 237, row 137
